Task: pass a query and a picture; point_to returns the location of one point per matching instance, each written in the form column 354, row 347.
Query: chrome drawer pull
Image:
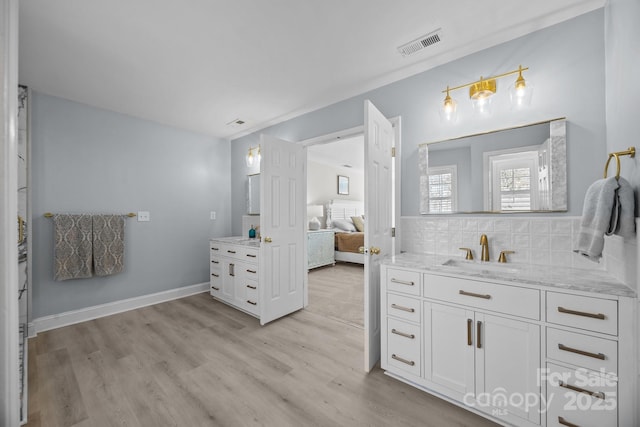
column 402, row 282
column 215, row 262
column 471, row 294
column 566, row 423
column 251, row 287
column 581, row 313
column 213, row 287
column 581, row 352
column 598, row 394
column 231, row 252
column 251, row 271
column 214, row 275
column 400, row 359
column 402, row 334
column 399, row 307
column 251, row 255
column 252, row 303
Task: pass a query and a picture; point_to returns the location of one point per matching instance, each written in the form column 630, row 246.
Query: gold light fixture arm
column 631, row 152
column 482, row 79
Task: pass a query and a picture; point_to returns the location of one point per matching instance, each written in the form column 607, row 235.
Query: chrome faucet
column 484, row 242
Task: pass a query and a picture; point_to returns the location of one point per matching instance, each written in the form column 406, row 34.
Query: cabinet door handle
column 251, row 255
column 402, row 282
column 566, row 423
column 403, row 334
column 213, row 287
column 251, row 271
column 471, row 294
column 230, row 251
column 232, row 269
column 581, row 352
column 479, row 335
column 215, row 275
column 252, row 303
column 214, row 249
column 215, row 262
column 251, row 287
column 598, row 394
column 469, row 327
column 400, row 359
column 581, row 313
column 399, row 307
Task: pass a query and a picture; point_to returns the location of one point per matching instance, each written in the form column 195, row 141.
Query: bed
column 347, row 243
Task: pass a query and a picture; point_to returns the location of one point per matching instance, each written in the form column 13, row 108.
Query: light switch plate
column 213, row 215
column 144, row 216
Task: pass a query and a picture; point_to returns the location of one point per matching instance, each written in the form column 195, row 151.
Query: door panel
column 282, row 262
column 378, row 141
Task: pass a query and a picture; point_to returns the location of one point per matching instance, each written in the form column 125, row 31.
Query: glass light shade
column 249, row 158
column 520, row 93
column 449, row 110
column 482, row 104
column 258, row 156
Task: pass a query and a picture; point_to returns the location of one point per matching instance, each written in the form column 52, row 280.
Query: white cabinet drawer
column 593, row 314
column 252, row 297
column 406, row 308
column 579, row 397
column 403, row 346
column 407, row 282
column 582, row 350
column 513, row 300
column 217, row 248
column 248, row 254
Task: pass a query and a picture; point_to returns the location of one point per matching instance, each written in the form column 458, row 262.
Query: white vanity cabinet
column 234, row 275
column 498, row 348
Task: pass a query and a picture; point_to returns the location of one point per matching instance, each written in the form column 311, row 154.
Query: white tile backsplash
column 535, row 240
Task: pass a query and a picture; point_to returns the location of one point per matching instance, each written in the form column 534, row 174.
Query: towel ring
column 631, row 152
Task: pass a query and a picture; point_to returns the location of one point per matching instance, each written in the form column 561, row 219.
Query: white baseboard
column 54, row 321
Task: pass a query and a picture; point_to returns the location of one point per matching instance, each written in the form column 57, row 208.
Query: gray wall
column 622, row 36
column 564, row 60
column 91, row 160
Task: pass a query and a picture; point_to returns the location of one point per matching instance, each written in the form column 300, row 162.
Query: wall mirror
column 253, row 194
column 520, row 169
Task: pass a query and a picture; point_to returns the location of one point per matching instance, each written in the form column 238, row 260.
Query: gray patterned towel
column 108, row 244
column 72, row 250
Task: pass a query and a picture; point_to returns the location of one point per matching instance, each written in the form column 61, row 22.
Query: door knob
column 374, row 250
column 362, row 250
column 267, row 240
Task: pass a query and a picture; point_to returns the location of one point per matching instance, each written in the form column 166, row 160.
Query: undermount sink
column 480, row 267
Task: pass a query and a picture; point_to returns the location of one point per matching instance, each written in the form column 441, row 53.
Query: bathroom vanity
column 517, row 344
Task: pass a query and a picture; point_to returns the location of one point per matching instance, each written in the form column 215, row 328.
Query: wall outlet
column 213, row 215
column 144, row 216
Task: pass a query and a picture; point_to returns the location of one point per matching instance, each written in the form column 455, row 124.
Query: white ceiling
column 349, row 154
column 199, row 64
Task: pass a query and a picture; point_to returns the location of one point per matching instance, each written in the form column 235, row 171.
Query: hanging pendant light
column 252, row 158
column 521, row 91
column 481, row 93
column 449, row 110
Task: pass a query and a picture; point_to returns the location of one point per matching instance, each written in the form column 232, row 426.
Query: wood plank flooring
column 337, row 292
column 197, row 362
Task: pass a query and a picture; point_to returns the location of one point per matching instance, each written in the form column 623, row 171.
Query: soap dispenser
column 252, row 232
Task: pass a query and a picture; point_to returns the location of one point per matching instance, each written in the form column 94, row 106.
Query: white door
column 378, row 141
column 282, row 251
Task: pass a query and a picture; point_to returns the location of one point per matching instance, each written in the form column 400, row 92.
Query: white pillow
column 343, row 224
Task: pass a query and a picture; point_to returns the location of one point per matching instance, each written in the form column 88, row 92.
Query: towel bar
column 631, row 152
column 130, row 215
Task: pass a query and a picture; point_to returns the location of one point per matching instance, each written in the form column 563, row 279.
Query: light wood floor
column 197, row 362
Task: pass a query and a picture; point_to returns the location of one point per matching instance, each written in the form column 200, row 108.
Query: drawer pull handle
column 215, row 262
column 400, row 359
column 581, row 313
column 469, row 327
column 402, row 282
column 214, row 249
column 251, row 271
column 232, row 269
column 251, row 287
column 214, row 288
column 598, row 394
column 399, row 307
column 215, row 275
column 566, row 423
column 251, row 255
column 581, row 352
column 479, row 336
column 471, row 294
column 230, row 251
column 403, row 334
column 252, row 303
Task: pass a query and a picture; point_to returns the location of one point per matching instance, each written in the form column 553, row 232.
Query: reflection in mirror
column 519, row 169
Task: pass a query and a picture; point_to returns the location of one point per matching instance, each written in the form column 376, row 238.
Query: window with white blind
column 443, row 192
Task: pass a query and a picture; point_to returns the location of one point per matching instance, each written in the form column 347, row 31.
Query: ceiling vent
column 236, row 122
column 421, row 43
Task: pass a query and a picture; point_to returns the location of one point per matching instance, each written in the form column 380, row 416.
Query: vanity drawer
column 582, row 350
column 215, row 284
column 403, row 307
column 407, row 282
column 250, row 271
column 513, row 300
column 252, row 296
column 579, row 397
column 217, row 249
column 249, row 254
column 593, row 314
column 403, row 346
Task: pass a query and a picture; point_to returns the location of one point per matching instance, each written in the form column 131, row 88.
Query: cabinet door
column 228, row 279
column 507, row 368
column 449, row 349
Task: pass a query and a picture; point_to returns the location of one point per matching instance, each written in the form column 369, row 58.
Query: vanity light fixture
column 253, row 156
column 481, row 92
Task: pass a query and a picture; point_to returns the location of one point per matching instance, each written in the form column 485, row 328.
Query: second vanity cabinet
column 498, row 349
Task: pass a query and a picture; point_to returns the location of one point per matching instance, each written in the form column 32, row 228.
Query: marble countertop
column 238, row 240
column 596, row 281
